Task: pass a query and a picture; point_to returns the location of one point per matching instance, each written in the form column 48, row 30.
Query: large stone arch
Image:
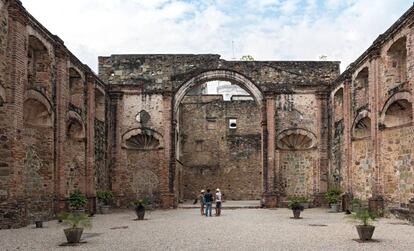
column 226, row 75
column 259, row 97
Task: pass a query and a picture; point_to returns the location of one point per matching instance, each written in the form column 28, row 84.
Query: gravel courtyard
column 241, row 229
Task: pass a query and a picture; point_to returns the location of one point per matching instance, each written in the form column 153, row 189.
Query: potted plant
column 140, row 208
column 333, row 197
column 104, row 198
column 77, row 201
column 76, row 222
column 364, row 217
column 296, row 205
column 304, row 201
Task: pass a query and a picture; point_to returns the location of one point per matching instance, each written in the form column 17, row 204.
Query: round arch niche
column 224, row 75
column 397, row 110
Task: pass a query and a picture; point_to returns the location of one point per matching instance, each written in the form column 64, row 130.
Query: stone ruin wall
column 47, row 105
column 147, row 83
column 215, row 156
column 373, row 99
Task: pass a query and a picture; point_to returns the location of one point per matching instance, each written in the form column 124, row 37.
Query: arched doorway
column 231, row 137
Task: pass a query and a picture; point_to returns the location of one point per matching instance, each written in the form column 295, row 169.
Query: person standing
column 218, row 202
column 201, row 198
column 208, row 200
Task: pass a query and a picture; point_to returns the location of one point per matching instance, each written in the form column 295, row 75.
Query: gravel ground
column 241, row 229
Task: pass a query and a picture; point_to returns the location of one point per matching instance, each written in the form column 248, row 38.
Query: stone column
column 117, row 173
column 323, row 125
column 374, row 100
column 168, row 196
column 62, row 106
column 376, row 202
column 90, row 185
column 270, row 170
column 347, row 131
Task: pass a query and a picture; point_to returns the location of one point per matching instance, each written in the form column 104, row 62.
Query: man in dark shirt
column 208, row 200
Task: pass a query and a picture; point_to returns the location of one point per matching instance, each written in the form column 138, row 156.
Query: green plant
column 295, row 203
column 78, row 221
column 77, row 200
column 105, row 197
column 363, row 216
column 333, row 195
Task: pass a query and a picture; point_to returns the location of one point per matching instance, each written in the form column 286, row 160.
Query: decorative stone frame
column 74, row 117
column 133, row 132
column 361, row 115
column 40, row 98
column 298, row 131
column 403, row 95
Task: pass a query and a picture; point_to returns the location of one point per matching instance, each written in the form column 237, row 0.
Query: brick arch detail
column 404, row 95
column 229, row 75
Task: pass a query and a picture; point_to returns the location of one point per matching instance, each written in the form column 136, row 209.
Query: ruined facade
column 372, row 120
column 133, row 130
column 51, row 108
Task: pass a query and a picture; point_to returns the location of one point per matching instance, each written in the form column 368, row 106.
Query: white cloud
column 265, row 29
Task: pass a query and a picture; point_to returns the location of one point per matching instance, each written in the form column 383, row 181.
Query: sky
column 341, row 30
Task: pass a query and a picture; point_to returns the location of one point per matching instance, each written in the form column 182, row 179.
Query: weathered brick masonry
column 280, row 148
column 134, row 131
column 47, row 121
column 372, row 120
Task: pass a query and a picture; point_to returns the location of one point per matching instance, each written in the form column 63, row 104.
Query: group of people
column 206, row 202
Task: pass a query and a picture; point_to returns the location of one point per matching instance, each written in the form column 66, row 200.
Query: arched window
column 338, row 102
column 360, row 89
column 99, row 105
column 37, row 61
column 76, row 88
column 397, row 61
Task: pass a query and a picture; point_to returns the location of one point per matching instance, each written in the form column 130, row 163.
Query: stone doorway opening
column 218, row 139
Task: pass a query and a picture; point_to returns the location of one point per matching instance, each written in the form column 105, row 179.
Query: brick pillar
column 168, row 195
column 323, row 121
column 347, row 132
column 117, row 173
column 62, row 94
column 375, row 107
column 272, row 180
column 90, row 185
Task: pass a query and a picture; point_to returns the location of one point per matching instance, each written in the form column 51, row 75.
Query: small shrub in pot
column 104, row 199
column 77, row 201
column 363, row 217
column 76, row 222
column 333, row 197
column 297, row 207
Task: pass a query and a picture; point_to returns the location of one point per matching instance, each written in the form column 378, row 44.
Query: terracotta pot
column 365, row 232
column 296, row 214
column 140, row 211
column 73, row 235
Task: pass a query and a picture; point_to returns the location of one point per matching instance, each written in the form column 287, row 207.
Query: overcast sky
column 264, row 29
